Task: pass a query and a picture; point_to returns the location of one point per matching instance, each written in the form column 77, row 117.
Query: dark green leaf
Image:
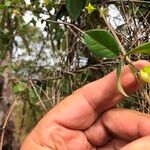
column 75, row 7
column 101, row 43
column 119, row 85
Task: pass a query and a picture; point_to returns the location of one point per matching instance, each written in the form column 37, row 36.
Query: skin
column 88, row 120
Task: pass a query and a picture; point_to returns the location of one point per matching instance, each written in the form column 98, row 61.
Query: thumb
column 139, row 144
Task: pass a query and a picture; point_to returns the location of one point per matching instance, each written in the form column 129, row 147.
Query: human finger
column 139, row 144
column 126, row 124
column 114, row 144
column 82, row 108
column 119, row 123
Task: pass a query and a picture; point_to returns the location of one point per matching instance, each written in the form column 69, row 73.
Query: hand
column 86, row 120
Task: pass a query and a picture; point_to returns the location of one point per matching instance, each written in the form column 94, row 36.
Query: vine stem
column 133, row 68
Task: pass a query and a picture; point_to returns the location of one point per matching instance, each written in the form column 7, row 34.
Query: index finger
column 82, row 108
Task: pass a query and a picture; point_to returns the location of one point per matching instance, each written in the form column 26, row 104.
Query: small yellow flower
column 145, row 74
column 90, row 8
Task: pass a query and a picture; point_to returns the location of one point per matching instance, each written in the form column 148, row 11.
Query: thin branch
column 66, row 23
column 146, row 96
column 34, row 88
column 45, row 95
column 5, row 124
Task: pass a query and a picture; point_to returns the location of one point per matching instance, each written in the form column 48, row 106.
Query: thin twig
column 146, row 96
column 66, row 23
column 44, row 107
column 48, row 99
column 5, row 124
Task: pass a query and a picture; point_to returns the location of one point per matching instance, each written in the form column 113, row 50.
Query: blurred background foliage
column 43, row 57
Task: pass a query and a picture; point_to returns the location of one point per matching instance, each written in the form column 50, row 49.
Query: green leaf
column 20, row 87
column 145, row 74
column 101, row 43
column 119, row 85
column 143, row 49
column 2, row 7
column 75, row 7
column 32, row 96
column 7, row 3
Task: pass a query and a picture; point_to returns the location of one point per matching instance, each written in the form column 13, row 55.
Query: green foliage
column 75, row 7
column 3, row 7
column 20, row 87
column 101, row 43
column 142, row 49
column 7, row 3
column 32, row 96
